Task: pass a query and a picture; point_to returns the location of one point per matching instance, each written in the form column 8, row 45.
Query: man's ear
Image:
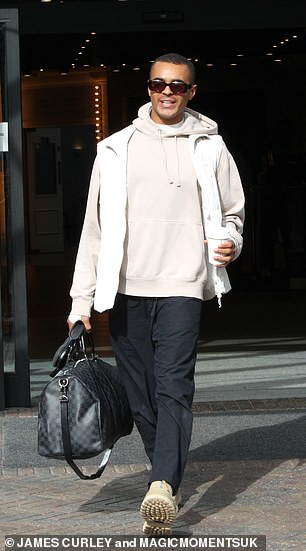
column 192, row 92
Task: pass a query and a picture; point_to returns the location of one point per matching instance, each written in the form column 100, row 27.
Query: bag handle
column 73, row 345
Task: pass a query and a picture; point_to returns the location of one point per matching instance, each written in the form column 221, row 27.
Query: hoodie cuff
column 236, row 238
column 74, row 318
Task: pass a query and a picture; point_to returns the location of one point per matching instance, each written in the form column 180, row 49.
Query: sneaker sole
column 151, row 528
column 158, row 508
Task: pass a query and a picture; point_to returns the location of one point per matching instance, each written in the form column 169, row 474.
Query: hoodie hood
column 194, row 123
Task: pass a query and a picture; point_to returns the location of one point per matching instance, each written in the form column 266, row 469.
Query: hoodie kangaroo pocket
column 163, row 249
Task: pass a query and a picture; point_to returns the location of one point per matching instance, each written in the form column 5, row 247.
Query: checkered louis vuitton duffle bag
column 83, row 410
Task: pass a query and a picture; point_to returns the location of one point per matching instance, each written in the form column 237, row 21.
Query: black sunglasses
column 176, row 87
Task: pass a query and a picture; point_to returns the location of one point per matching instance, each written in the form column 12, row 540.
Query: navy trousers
column 155, row 345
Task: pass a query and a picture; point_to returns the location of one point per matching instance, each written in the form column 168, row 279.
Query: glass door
column 14, row 361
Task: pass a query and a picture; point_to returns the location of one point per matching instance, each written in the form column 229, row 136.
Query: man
column 157, row 187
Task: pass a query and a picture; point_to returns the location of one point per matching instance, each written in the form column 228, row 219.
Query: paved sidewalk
column 246, row 475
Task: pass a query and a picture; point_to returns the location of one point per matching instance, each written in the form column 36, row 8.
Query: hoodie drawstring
column 170, row 180
column 178, row 164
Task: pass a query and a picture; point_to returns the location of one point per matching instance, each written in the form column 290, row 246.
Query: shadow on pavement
column 216, row 473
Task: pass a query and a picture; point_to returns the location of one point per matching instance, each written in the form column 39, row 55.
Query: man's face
column 167, row 107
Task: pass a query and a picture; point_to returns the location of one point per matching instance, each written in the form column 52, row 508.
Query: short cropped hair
column 177, row 59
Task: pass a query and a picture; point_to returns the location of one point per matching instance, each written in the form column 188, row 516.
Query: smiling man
column 171, row 87
column 158, row 188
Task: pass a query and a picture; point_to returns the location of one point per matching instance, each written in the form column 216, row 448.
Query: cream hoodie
column 164, row 254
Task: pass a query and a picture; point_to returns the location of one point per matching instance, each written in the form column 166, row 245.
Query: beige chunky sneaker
column 159, row 508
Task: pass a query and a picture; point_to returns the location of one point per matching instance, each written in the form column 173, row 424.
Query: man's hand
column 85, row 320
column 224, row 254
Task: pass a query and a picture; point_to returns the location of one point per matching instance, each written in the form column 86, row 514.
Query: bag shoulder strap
column 67, row 445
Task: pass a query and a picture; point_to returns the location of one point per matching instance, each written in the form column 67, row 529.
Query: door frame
column 17, row 383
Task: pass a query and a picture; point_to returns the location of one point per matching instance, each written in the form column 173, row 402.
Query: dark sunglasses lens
column 178, row 87
column 156, row 86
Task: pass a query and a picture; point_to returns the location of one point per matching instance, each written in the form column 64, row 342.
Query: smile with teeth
column 166, row 102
